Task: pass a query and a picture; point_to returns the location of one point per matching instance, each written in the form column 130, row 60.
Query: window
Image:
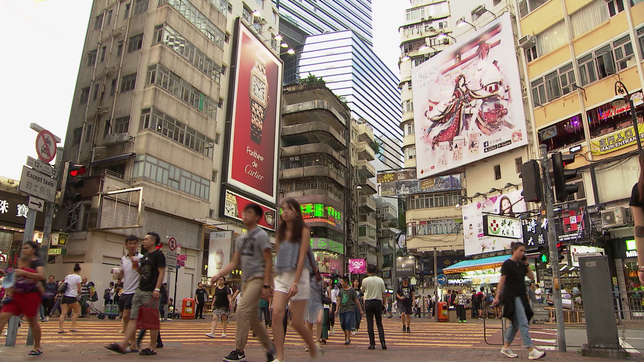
column 76, row 138
column 135, row 43
column 103, row 51
column 640, row 39
column 119, row 49
column 162, row 123
column 220, row 104
column 109, row 17
column 247, row 15
column 113, row 87
column 615, row 7
column 605, row 63
column 140, row 6
column 567, row 78
column 91, row 58
column 410, row 153
column 497, row 172
column 553, row 89
column 258, row 27
column 518, row 162
column 275, row 17
column 552, row 38
column 121, row 125
column 84, row 96
column 538, row 92
column 198, row 19
column 127, row 11
column 496, row 2
column 88, row 133
column 431, row 200
column 164, row 173
column 408, row 106
column 528, row 6
column 531, row 53
column 96, row 88
column 409, row 129
column 128, row 83
column 589, row 17
column 99, row 22
column 624, row 56
column 260, row 3
column 587, row 71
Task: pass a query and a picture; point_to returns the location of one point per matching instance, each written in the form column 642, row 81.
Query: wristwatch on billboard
column 258, row 99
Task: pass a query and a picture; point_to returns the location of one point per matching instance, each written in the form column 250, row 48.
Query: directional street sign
column 37, row 184
column 36, row 203
column 170, row 259
column 182, row 257
column 40, row 166
column 46, row 146
column 441, row 279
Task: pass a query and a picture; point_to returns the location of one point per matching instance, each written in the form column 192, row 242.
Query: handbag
column 62, row 288
column 325, row 299
column 148, row 317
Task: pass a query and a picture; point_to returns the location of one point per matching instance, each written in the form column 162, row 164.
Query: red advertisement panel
column 235, row 203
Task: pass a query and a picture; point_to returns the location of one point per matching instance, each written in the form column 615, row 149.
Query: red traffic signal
column 76, row 170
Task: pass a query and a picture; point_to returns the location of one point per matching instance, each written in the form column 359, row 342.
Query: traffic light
column 71, row 183
column 561, row 248
column 561, row 175
column 335, row 278
column 531, row 180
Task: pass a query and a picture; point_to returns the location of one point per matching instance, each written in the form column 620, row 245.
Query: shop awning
column 477, row 264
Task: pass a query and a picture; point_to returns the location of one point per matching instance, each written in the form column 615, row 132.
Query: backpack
column 106, row 294
column 489, row 298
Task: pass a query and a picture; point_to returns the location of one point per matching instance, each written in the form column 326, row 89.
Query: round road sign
column 172, row 244
column 441, row 279
column 46, row 146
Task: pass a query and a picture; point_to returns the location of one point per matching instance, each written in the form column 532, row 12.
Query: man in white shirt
column 375, row 293
column 129, row 276
column 538, row 294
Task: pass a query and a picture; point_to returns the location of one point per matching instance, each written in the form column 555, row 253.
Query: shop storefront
column 329, row 255
column 477, row 273
column 631, row 267
column 13, row 214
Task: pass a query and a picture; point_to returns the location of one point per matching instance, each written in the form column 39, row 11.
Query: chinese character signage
column 322, row 213
column 535, row 233
column 502, row 227
column 412, row 186
column 13, row 210
column 467, row 101
column 253, row 123
column 617, row 140
column 476, row 242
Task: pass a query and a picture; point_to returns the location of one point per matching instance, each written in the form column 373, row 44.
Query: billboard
column 234, row 205
column 467, row 101
column 253, row 137
column 219, row 252
column 357, row 266
column 473, row 226
column 405, row 267
column 412, row 186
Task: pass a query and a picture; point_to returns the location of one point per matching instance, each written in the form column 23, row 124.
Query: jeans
column 199, row 312
column 346, row 320
column 373, row 308
column 521, row 321
column 325, row 325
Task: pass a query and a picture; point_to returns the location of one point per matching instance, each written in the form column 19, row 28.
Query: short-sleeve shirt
column 251, row 247
column 373, row 287
column 405, row 292
column 221, row 298
column 347, row 300
column 515, row 272
column 149, row 266
column 72, row 281
column 635, row 198
column 130, row 276
column 201, row 295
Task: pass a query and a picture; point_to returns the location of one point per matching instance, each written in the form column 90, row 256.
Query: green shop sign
column 326, row 244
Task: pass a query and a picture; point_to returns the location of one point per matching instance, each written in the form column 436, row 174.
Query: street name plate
column 40, row 166
column 171, row 259
column 37, row 184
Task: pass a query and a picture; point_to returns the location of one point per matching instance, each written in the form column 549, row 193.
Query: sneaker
column 210, row 335
column 508, row 353
column 353, row 333
column 347, row 342
column 357, row 331
column 372, row 347
column 408, row 331
column 235, row 355
column 536, row 354
column 223, row 335
column 270, row 357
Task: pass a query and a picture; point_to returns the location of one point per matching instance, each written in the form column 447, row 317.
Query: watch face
column 230, row 209
column 258, row 89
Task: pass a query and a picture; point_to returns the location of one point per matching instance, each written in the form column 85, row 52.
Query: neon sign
column 322, row 213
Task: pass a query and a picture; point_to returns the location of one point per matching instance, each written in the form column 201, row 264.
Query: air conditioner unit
column 527, row 41
column 614, row 217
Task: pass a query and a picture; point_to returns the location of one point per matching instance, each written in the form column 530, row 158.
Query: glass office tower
column 353, row 71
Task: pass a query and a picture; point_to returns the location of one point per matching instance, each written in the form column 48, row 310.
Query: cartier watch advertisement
column 254, row 121
column 235, row 204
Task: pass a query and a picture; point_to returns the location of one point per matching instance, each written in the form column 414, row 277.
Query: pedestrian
column 532, row 296
column 326, row 311
column 374, row 292
column 538, row 294
column 333, row 290
column 128, row 280
column 84, row 297
column 51, row 289
column 163, row 301
column 265, row 311
column 515, row 300
column 637, row 209
column 348, row 299
column 222, row 301
column 357, row 316
column 461, row 300
column 26, row 298
column 108, row 294
column 201, row 296
column 314, row 314
column 292, row 273
column 151, row 269
column 405, row 296
column 253, row 255
column 418, row 307
column 70, row 299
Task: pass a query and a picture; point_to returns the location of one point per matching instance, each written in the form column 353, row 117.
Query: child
column 348, row 299
column 22, row 284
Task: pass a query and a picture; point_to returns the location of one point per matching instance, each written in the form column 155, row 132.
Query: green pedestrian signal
column 544, row 258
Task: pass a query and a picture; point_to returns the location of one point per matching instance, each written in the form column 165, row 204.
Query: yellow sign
column 57, row 252
column 616, row 140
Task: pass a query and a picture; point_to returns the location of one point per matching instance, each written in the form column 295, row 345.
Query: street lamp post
column 621, row 96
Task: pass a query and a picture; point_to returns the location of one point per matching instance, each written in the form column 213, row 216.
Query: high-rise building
column 354, row 72
column 149, row 116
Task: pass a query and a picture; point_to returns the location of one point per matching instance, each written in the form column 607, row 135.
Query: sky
column 40, row 67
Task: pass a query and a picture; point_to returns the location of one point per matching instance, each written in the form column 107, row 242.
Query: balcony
column 366, row 169
column 313, row 148
column 368, row 187
column 313, row 132
column 409, row 140
column 367, row 220
column 311, row 171
column 365, row 133
column 365, row 152
column 367, row 204
column 387, row 213
column 371, row 241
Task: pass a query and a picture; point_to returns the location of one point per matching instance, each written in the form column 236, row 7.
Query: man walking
column 201, row 296
column 151, row 269
column 253, row 255
column 405, row 296
column 84, row 297
column 373, row 288
column 129, row 278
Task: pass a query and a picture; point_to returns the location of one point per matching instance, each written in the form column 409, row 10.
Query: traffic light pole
column 552, row 244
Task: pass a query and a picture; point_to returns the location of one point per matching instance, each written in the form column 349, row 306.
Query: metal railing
column 629, row 306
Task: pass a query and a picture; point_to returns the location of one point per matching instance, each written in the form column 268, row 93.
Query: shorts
column 141, row 298
column 125, row 301
column 219, row 312
column 283, row 284
column 68, row 300
column 23, row 303
column 346, row 320
column 406, row 309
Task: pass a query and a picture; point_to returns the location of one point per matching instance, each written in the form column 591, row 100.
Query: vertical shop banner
column 357, row 266
column 473, row 226
column 255, row 117
column 219, row 251
column 467, row 101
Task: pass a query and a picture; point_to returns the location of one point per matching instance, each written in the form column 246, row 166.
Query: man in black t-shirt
column 151, row 268
column 201, row 296
column 405, row 295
